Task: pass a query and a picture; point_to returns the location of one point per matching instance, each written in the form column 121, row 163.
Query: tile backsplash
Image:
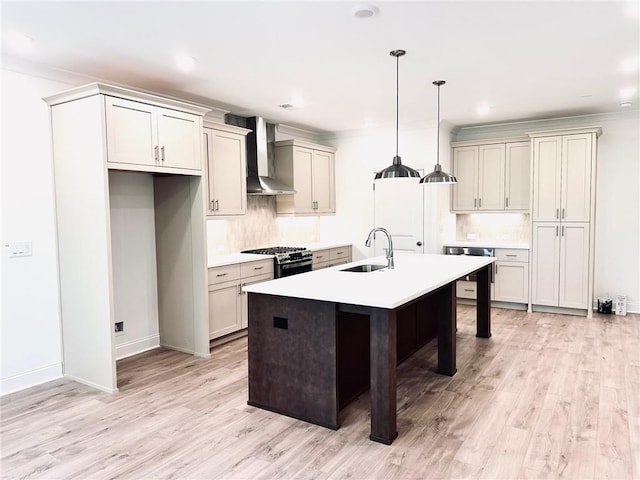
column 503, row 227
column 259, row 227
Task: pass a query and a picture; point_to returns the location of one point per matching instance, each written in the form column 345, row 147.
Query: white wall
column 30, row 328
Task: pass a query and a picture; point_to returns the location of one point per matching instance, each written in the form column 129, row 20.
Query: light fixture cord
column 397, row 98
column 438, row 130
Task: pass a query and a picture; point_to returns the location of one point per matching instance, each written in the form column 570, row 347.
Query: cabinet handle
column 221, row 274
column 556, row 230
column 479, row 203
column 468, row 290
column 557, row 213
column 162, row 153
column 155, row 153
column 506, row 202
column 258, row 268
column 339, row 253
column 510, row 255
column 211, row 205
column 563, row 230
column 562, row 212
column 475, row 203
column 496, row 269
column 217, row 206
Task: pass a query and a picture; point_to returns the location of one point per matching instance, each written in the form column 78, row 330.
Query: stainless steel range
column 287, row 260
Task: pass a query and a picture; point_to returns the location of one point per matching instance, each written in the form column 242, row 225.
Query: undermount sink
column 364, row 268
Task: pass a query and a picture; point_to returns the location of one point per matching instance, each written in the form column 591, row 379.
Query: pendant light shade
column 397, row 169
column 438, row 176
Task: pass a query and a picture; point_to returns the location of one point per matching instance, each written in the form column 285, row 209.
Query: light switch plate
column 20, row 249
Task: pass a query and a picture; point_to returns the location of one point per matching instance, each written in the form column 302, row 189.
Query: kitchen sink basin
column 364, row 268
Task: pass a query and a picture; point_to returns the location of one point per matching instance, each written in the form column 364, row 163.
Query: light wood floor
column 548, row 396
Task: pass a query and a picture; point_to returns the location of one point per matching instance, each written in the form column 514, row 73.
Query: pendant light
column 438, row 176
column 397, row 169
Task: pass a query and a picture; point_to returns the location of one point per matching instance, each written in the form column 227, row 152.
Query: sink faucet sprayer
column 388, row 251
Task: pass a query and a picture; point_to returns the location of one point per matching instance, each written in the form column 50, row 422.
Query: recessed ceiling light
column 625, row 104
column 364, row 10
column 627, row 92
column 630, row 65
column 186, row 63
column 19, row 42
column 483, row 109
column 586, row 95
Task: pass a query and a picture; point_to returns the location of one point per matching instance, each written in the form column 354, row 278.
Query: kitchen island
column 297, row 338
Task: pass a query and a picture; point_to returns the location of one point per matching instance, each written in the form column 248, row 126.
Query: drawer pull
column 320, row 256
column 468, row 290
column 510, row 255
column 221, row 274
column 340, row 253
column 258, row 268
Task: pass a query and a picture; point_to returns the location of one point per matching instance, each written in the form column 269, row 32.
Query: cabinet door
column 131, row 132
column 465, row 169
column 179, row 139
column 546, row 261
column 491, row 177
column 547, row 167
column 302, row 180
column 323, row 182
column 226, row 172
column 574, row 265
column 512, row 282
column 517, row 176
column 244, row 298
column 224, row 309
column 576, row 178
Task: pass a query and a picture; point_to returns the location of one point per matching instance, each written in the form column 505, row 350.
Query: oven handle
column 292, row 265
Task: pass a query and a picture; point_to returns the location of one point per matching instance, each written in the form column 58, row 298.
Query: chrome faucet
column 389, row 251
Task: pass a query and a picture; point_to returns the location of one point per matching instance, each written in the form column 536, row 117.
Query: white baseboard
column 91, row 384
column 24, row 380
column 137, row 346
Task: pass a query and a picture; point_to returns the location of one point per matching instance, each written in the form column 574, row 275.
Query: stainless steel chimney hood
column 259, row 155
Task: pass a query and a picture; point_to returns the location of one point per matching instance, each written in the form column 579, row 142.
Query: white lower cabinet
column 560, row 264
column 228, row 305
column 331, row 257
column 512, row 276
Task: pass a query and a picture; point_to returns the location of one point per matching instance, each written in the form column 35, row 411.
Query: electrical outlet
column 19, row 249
column 119, row 328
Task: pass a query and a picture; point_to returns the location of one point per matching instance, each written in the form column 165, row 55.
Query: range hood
column 259, row 156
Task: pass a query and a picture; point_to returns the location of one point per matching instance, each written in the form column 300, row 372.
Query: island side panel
column 292, row 358
column 483, row 302
column 383, row 344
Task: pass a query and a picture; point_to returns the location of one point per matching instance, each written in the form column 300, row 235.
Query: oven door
column 293, row 268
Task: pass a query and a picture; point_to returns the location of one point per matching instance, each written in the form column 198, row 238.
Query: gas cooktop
column 274, row 250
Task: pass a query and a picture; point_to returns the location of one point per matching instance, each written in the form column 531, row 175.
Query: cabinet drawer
column 320, row 265
column 340, row 253
column 322, row 256
column 224, row 273
column 466, row 289
column 261, row 267
column 512, row 255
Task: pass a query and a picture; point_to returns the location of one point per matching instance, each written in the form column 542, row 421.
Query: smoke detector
column 364, row 10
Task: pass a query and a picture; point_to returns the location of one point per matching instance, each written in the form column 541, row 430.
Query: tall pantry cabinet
column 563, row 218
column 105, row 137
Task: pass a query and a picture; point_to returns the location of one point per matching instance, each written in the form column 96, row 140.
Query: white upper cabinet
column 465, row 169
column 226, row 169
column 140, row 134
column 310, row 170
column 562, row 178
column 492, row 176
column 517, row 176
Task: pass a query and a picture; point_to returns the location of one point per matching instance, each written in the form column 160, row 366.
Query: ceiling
column 525, row 60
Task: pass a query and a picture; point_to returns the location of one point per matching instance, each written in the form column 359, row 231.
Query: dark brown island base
column 312, row 351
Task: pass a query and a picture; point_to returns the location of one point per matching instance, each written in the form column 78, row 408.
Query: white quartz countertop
column 314, row 247
column 414, row 275
column 231, row 258
column 489, row 244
